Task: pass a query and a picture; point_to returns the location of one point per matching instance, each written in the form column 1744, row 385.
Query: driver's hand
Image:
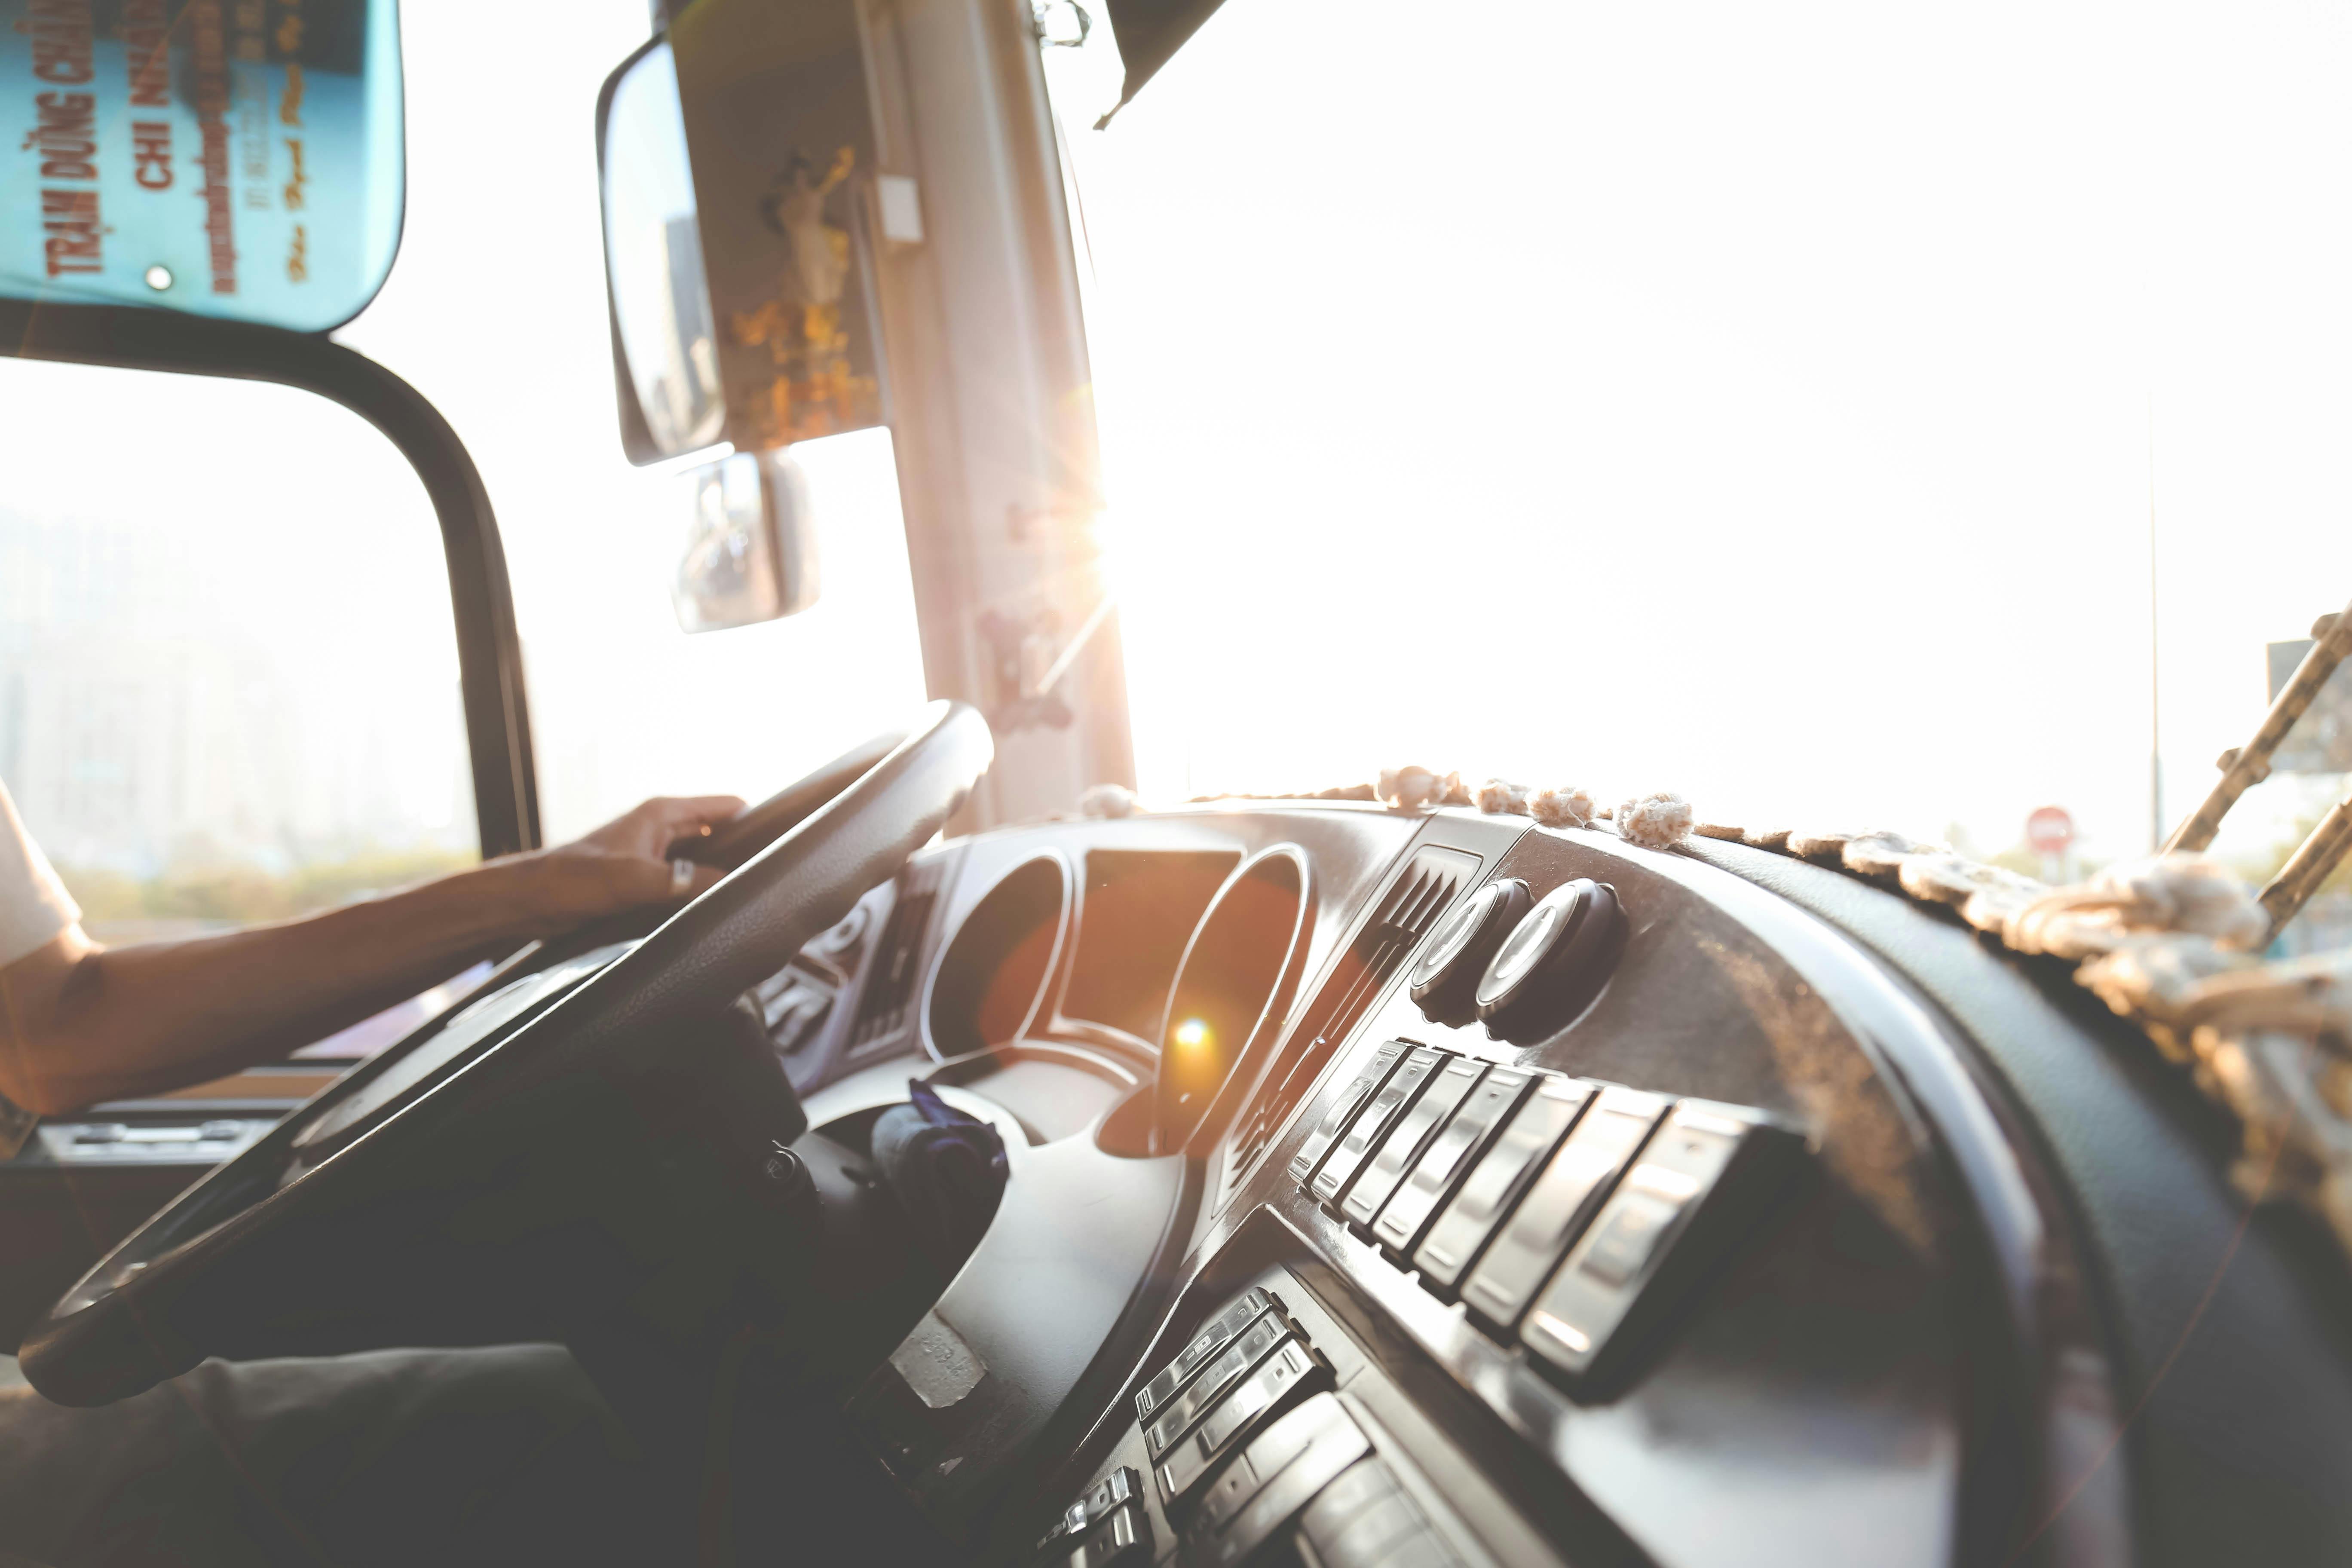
column 622, row 865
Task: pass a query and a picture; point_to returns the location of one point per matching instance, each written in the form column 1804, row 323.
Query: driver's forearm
column 114, row 1023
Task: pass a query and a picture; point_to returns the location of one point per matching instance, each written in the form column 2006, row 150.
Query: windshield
column 1789, row 406
column 512, row 346
column 496, row 312
column 197, row 714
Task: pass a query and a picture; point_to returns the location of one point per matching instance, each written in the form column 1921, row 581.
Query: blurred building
column 147, row 717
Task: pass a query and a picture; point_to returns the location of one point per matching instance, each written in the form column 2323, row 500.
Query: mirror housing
column 751, row 544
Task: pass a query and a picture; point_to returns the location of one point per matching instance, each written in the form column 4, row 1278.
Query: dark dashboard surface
column 1766, row 1218
column 1823, row 1291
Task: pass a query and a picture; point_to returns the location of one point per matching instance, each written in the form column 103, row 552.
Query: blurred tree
column 210, row 894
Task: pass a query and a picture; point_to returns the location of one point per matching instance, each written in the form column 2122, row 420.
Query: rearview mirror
column 751, row 544
column 664, row 342
column 241, row 162
column 737, row 157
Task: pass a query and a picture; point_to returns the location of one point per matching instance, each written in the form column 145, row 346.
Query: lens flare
column 1192, row 1034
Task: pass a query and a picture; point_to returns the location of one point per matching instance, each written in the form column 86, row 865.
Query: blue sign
column 230, row 158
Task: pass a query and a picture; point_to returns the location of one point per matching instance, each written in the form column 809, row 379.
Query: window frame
column 481, row 602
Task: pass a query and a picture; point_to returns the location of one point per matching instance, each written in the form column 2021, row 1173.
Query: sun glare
column 1604, row 428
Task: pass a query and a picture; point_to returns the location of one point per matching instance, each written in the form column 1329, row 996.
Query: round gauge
column 1553, row 962
column 1232, row 986
column 1444, row 981
column 992, row 978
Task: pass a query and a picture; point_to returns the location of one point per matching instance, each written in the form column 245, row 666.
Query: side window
column 228, row 674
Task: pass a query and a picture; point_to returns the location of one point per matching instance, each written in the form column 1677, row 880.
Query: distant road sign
column 2050, row 830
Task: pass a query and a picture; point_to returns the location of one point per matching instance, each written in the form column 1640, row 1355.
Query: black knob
column 788, row 1184
column 1445, row 979
column 1554, row 962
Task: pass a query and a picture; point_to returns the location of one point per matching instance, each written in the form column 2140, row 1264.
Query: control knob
column 1553, row 964
column 1444, row 981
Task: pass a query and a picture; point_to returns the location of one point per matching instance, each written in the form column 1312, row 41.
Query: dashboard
column 1390, row 1187
column 1436, row 1187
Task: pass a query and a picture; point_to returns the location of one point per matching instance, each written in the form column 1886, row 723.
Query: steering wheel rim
column 154, row 1307
column 755, row 828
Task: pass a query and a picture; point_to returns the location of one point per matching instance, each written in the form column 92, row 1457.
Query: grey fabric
column 502, row 1455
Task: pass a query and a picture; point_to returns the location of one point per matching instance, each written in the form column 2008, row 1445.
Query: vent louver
column 1412, row 905
column 890, row 982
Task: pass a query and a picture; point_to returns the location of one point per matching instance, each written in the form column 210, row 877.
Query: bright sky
column 1753, row 402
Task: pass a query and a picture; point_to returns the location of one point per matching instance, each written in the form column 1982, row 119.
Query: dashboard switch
column 1364, row 1520
column 1401, row 1149
column 1703, row 1161
column 1281, row 1472
column 1287, row 1373
column 1343, row 1110
column 1395, row 1097
column 793, row 1008
column 1265, row 1389
column 1121, row 1486
column 1222, row 1331
column 1449, row 1158
column 1122, row 1541
column 1553, row 964
column 1558, row 1204
column 1177, row 1417
column 1444, row 981
column 1495, row 1183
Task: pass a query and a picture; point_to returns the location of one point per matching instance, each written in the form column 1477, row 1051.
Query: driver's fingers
column 674, row 824
column 678, row 811
column 682, row 880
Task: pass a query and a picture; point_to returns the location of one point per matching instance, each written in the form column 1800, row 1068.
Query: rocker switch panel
column 1283, row 1375
column 1560, row 1202
column 1343, row 1108
column 1177, row 1417
column 1268, row 1484
column 1452, row 1156
column 1496, row 1181
column 1222, row 1331
column 1400, row 1150
column 1122, row 1541
column 1703, row 1161
column 1121, row 1486
column 1395, row 1097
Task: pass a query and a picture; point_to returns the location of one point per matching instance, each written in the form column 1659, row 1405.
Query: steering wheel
column 595, row 1126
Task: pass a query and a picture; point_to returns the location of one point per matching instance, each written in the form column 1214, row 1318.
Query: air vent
column 897, row 957
column 1412, row 905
